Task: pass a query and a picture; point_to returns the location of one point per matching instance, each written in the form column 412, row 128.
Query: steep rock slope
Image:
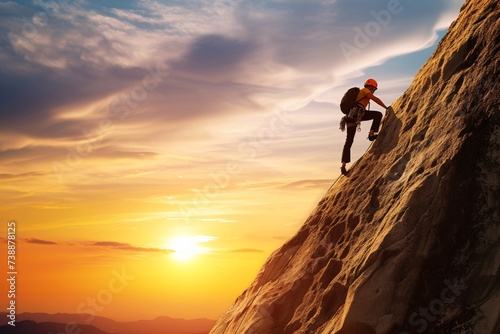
column 410, row 242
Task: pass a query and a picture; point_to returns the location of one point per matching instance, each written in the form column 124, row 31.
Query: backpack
column 349, row 100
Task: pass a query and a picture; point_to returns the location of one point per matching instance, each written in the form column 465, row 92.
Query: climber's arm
column 376, row 100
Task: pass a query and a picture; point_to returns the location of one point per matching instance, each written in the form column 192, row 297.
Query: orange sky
column 82, row 246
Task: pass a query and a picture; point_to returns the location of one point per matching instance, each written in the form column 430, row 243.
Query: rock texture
column 410, row 242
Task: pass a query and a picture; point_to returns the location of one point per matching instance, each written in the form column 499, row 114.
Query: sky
column 154, row 153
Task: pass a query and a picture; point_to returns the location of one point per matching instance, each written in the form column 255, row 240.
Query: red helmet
column 371, row 82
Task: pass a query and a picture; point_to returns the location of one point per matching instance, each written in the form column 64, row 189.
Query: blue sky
column 126, row 122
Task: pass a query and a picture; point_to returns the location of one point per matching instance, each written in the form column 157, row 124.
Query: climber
column 358, row 114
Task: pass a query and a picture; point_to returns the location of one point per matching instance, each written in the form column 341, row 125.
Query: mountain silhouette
column 32, row 327
column 160, row 325
column 409, row 243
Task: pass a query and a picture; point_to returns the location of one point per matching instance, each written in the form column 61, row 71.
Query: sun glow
column 185, row 247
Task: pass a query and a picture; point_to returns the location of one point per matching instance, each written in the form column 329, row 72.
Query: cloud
column 307, row 184
column 41, row 116
column 102, row 244
column 13, row 177
column 246, row 250
column 215, row 54
column 40, row 242
column 127, row 247
column 309, row 37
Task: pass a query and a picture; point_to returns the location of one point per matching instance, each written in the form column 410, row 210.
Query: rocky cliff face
column 410, row 242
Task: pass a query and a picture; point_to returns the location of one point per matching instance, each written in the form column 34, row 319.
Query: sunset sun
column 186, row 247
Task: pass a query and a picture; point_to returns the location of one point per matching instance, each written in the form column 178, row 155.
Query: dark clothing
column 351, row 131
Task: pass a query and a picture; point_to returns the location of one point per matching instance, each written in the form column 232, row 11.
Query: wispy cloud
column 308, row 184
column 12, row 177
column 110, row 245
column 127, row 247
column 246, row 250
column 40, row 242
